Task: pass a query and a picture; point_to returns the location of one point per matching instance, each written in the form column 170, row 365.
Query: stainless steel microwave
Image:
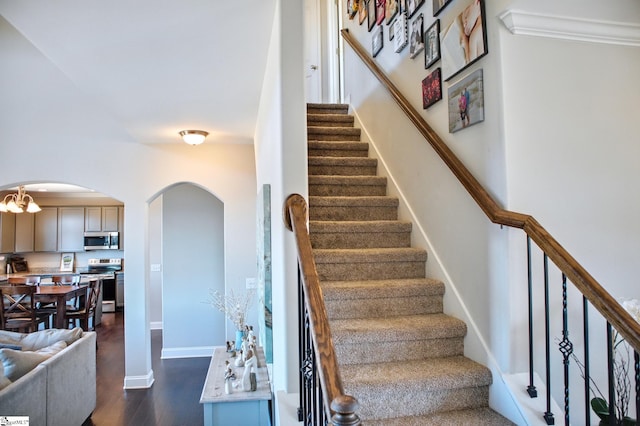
column 101, row 240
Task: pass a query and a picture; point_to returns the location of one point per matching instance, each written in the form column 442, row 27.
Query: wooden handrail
column 295, row 218
column 610, row 309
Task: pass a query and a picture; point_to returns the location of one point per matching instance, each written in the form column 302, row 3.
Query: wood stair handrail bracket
column 606, row 304
column 341, row 408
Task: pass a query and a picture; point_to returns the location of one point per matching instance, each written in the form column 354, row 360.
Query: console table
column 239, row 408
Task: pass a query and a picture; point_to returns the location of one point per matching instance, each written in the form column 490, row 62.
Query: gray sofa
column 60, row 390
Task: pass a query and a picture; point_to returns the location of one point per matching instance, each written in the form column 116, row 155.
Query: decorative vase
column 227, row 386
column 239, row 336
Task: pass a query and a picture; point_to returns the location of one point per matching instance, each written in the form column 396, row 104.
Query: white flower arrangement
column 633, row 307
column 234, row 307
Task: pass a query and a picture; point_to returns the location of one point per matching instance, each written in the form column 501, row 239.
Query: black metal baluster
column 531, row 389
column 548, row 415
column 636, row 365
column 587, row 377
column 566, row 348
column 612, row 390
column 302, row 350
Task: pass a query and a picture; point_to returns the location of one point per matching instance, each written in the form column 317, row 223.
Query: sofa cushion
column 40, row 339
column 18, row 363
column 4, row 380
column 10, row 346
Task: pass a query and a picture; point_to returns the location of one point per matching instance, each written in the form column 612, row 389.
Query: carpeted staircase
column 399, row 354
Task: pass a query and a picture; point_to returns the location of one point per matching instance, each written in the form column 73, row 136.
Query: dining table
column 59, row 294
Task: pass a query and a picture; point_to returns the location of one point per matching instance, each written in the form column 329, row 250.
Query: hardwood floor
column 174, row 398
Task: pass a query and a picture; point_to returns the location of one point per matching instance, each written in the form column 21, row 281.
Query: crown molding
column 520, row 22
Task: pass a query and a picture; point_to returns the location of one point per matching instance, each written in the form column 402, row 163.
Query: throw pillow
column 4, row 380
column 42, row 339
column 18, row 363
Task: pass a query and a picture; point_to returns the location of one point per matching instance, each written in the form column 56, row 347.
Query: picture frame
column 470, row 27
column 432, row 44
column 66, row 262
column 412, row 7
column 400, row 35
column 377, row 42
column 362, row 12
column 416, row 39
column 392, row 10
column 371, row 14
column 380, row 10
column 466, row 102
column 439, row 5
column 352, row 8
column 432, row 88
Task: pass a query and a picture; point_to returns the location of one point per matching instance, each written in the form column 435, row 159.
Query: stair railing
column 593, row 293
column 322, row 397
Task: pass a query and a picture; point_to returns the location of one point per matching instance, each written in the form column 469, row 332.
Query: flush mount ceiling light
column 15, row 203
column 193, row 137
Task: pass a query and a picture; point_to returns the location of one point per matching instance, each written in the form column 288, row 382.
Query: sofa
column 48, row 375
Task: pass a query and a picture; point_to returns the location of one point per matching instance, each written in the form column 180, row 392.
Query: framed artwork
column 393, row 7
column 431, row 88
column 466, row 102
column 416, row 40
column 399, row 30
column 438, row 5
column 464, row 41
column 376, row 43
column 352, row 8
column 362, row 12
column 380, row 9
column 66, row 262
column 412, row 7
column 371, row 14
column 432, row 44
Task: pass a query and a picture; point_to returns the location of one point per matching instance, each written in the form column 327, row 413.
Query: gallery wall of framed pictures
column 449, row 43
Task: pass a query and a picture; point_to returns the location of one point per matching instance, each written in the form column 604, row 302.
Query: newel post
column 345, row 407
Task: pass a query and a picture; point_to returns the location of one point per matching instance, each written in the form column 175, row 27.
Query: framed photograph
column 352, row 8
column 399, row 30
column 371, row 14
column 431, row 88
column 412, row 7
column 416, row 40
column 393, row 7
column 438, row 5
column 464, row 41
column 466, row 102
column 432, row 44
column 66, row 262
column 376, row 43
column 362, row 12
column 381, row 5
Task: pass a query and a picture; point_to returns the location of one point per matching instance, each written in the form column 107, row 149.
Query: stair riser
column 338, row 153
column 329, row 123
column 353, row 213
column 346, row 240
column 312, row 110
column 385, row 307
column 400, row 351
column 332, row 137
column 337, row 170
column 325, row 190
column 370, row 271
column 403, row 400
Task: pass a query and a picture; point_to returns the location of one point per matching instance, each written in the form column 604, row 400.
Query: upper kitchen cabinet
column 25, row 232
column 46, row 229
column 71, row 222
column 101, row 219
column 7, row 232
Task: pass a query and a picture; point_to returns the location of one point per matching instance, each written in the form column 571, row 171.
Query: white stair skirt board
column 532, row 408
column 287, row 408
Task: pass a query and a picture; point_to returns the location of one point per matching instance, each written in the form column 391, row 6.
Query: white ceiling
column 155, row 67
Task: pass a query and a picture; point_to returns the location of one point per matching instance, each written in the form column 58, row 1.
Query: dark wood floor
column 174, row 398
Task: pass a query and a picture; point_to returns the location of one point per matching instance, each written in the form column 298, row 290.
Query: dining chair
column 68, row 280
column 88, row 311
column 26, row 280
column 18, row 309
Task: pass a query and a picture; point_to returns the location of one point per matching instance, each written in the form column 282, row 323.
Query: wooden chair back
column 65, row 279
column 18, row 306
column 28, row 280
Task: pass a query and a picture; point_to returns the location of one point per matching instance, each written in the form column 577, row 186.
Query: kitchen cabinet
column 25, row 232
column 71, row 223
column 101, row 219
column 46, row 229
column 7, row 232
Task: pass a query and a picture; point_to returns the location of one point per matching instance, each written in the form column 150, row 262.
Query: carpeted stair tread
column 371, row 289
column 313, row 108
column 338, row 149
column 374, row 255
column 328, row 120
column 396, row 329
column 483, row 416
column 347, row 180
column 343, row 161
column 359, row 234
column 346, row 186
column 377, row 201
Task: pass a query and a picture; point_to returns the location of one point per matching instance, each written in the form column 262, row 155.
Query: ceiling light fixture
column 15, row 203
column 193, row 137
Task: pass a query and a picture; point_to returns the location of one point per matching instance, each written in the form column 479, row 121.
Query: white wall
column 60, row 134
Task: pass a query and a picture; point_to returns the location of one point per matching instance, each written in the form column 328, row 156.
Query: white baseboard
column 139, row 382
column 188, row 352
column 287, row 408
column 155, row 325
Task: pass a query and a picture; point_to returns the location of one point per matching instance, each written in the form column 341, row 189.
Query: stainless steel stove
column 105, row 270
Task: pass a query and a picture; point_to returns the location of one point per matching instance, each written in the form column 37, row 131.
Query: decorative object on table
column 249, row 383
column 412, row 7
column 432, row 44
column 399, row 29
column 464, row 41
column 371, row 14
column 229, row 375
column 380, row 10
column 431, row 89
column 377, row 42
column 392, row 9
column 234, row 307
column 239, row 362
column 466, row 102
column 362, row 11
column 439, row 5
column 416, row 40
column 66, row 262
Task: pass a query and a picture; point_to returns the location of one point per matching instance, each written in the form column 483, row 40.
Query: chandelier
column 15, row 203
